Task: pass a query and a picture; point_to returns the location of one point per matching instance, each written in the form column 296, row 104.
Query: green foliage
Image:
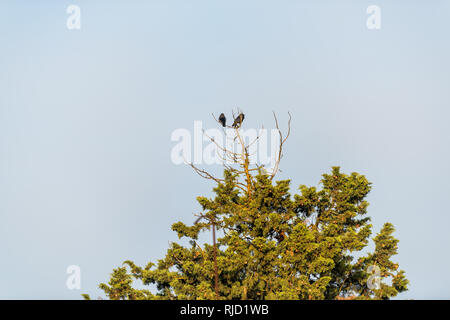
column 273, row 245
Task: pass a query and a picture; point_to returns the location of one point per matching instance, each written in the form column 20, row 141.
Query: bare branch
column 218, row 145
column 282, row 141
column 205, row 174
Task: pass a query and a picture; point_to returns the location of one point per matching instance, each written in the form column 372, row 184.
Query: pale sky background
column 86, row 117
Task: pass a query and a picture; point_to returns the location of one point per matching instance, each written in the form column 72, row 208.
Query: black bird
column 223, row 120
column 238, row 121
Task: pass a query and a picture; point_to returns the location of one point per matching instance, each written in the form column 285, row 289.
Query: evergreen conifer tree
column 272, row 244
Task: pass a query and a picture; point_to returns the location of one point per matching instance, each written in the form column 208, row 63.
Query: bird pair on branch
column 237, row 121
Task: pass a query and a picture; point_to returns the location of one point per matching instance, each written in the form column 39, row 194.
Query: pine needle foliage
column 273, row 244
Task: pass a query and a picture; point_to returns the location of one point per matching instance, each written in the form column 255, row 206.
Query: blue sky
column 86, row 116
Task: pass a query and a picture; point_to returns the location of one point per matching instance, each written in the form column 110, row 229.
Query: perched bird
column 223, row 120
column 238, row 121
